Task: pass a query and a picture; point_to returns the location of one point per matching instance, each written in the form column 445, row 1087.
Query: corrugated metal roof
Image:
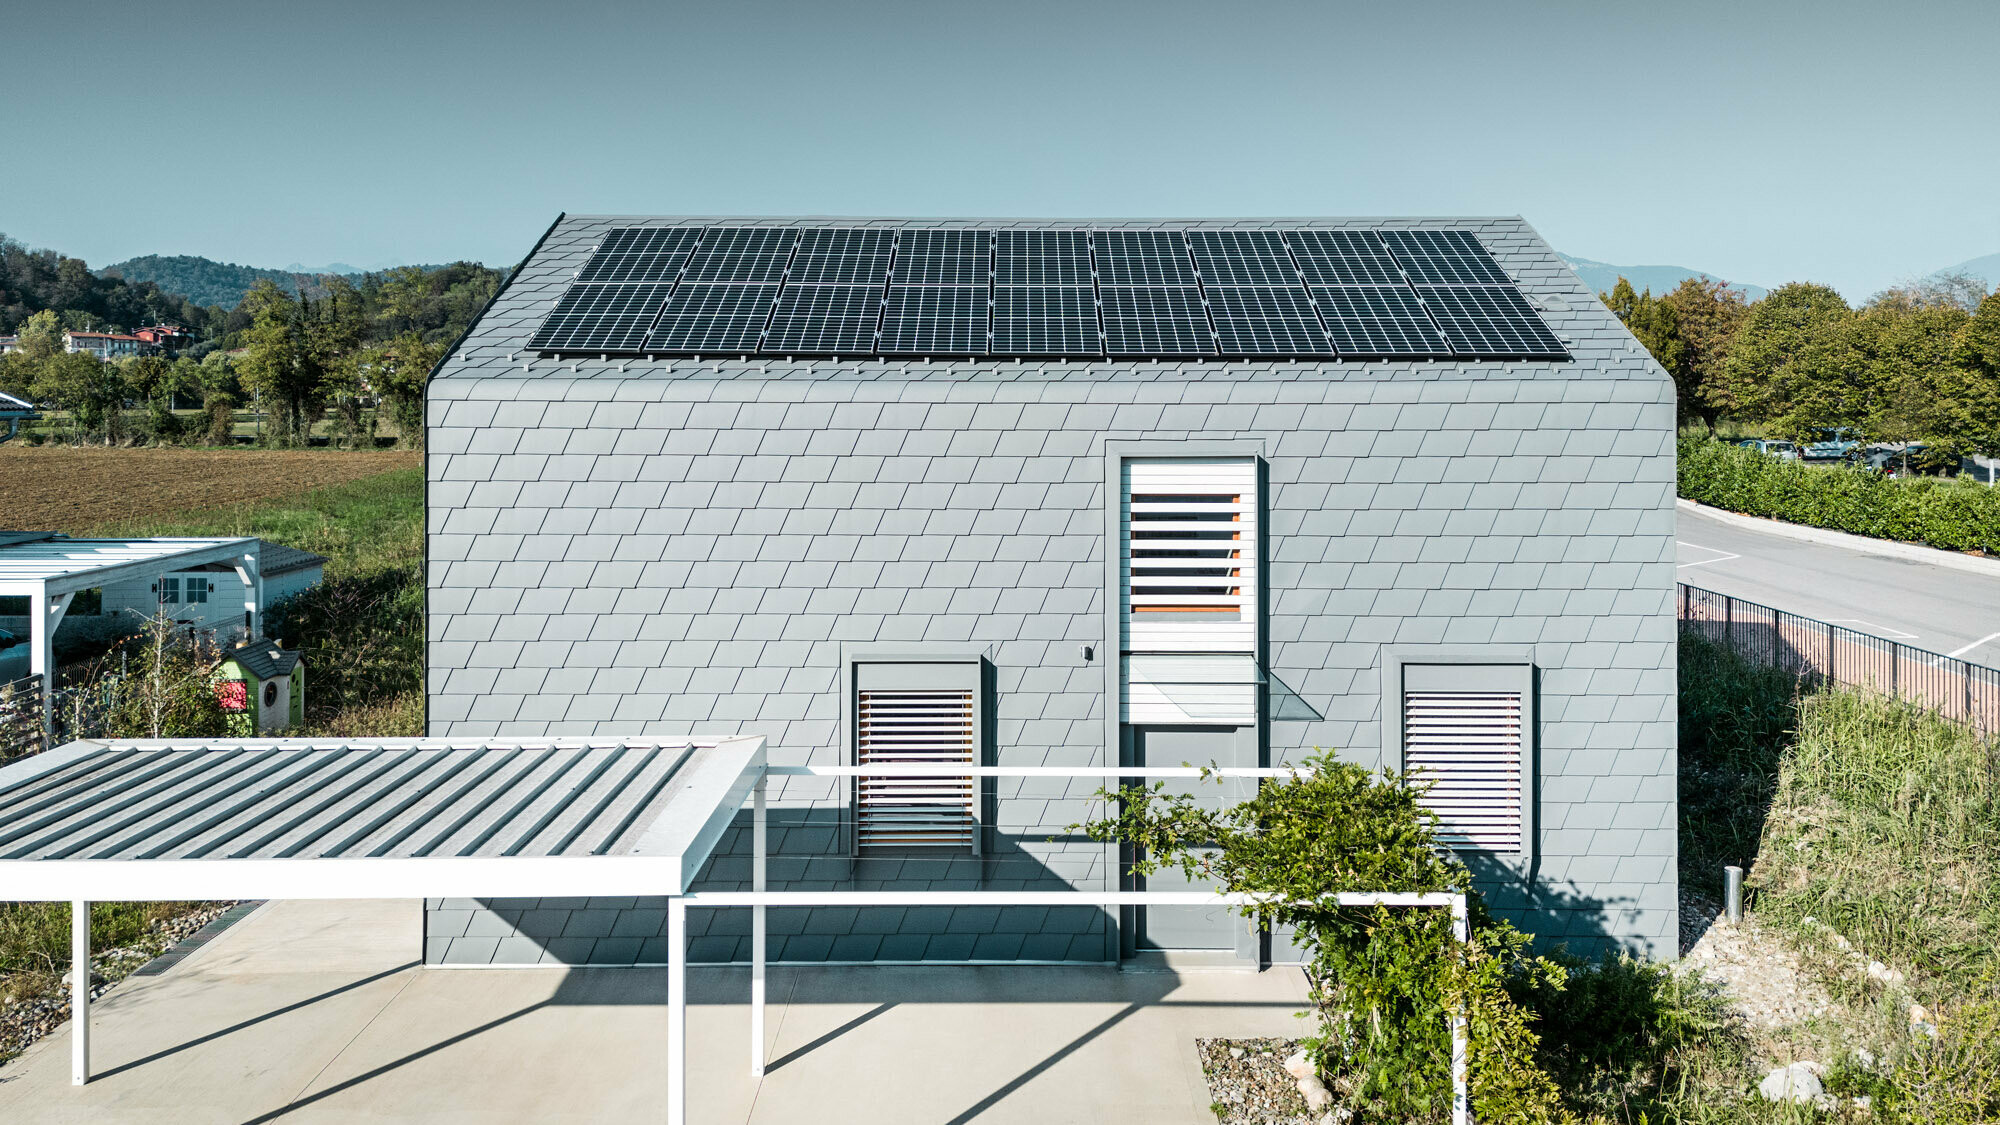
column 55, row 560
column 297, row 799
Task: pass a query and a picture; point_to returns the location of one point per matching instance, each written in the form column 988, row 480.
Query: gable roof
column 263, row 659
column 495, row 346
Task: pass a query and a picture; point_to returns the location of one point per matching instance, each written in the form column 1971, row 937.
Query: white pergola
column 422, row 818
column 49, row 570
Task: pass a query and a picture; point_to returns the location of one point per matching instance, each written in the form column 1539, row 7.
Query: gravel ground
column 23, row 1020
column 1760, row 975
column 1247, row 1083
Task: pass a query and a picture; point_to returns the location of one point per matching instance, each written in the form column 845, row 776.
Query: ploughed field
column 60, row 488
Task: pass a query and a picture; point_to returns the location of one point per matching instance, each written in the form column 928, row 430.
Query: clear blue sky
column 1855, row 144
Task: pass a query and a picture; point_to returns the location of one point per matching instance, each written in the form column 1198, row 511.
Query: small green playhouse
column 262, row 687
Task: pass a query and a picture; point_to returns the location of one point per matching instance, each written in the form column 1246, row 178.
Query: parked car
column 1893, row 458
column 1782, row 450
column 1831, row 443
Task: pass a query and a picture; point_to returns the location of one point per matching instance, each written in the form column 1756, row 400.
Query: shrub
column 1381, row 979
column 1954, row 514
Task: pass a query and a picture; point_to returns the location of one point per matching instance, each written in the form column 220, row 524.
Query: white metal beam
column 760, row 817
column 79, row 992
column 499, row 876
column 47, row 613
column 677, row 960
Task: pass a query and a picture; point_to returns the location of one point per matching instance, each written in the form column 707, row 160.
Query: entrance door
column 1213, row 929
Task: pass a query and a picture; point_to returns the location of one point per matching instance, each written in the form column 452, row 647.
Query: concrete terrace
column 319, row 1011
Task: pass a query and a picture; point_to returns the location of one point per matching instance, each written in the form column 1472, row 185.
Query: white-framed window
column 170, row 589
column 1188, row 589
column 1466, row 731
column 917, row 712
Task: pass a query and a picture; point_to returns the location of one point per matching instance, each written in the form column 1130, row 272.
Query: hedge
column 1954, row 514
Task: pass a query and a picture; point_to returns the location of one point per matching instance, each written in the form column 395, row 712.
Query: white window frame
column 953, row 666
column 1113, row 654
column 1515, row 672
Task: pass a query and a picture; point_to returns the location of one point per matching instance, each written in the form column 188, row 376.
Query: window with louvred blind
column 1468, row 746
column 917, row 714
column 1188, row 589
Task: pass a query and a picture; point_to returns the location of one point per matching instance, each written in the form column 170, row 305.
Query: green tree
column 155, row 380
column 90, row 390
column 42, row 336
column 1707, row 316
column 1793, row 364
column 295, row 346
column 397, row 372
column 221, row 394
column 1979, row 340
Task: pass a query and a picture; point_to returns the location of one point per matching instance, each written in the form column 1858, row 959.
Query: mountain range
column 208, row 282
column 1603, row 276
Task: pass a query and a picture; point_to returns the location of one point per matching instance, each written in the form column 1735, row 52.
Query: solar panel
column 747, row 254
column 1444, row 257
column 944, row 257
column 640, row 254
column 713, row 318
column 1242, row 257
column 826, row 319
column 1490, row 320
column 601, row 318
column 1378, row 320
column 1045, row 320
column 1343, row 257
column 1041, row 257
column 842, row 256
column 1155, row 320
column 934, row 319
column 1265, row 320
column 1143, row 257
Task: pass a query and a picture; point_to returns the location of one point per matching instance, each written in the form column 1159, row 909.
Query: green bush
column 1955, row 514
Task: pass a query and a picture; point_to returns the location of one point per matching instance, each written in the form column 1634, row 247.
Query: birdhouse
column 262, row 687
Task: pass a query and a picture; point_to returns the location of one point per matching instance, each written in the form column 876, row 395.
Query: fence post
column 1895, row 667
column 1831, row 675
column 1729, row 622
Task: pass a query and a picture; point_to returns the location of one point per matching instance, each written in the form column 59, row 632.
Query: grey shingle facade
column 689, row 547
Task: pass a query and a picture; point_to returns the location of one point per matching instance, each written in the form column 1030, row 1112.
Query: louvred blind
column 1190, row 555
column 1468, row 746
column 928, row 727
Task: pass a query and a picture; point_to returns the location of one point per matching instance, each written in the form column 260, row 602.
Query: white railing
column 760, row 899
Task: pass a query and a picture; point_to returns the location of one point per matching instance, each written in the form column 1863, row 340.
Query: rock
column 1864, row 1058
column 1237, row 1052
column 1798, row 1083
column 1317, row 1096
column 1338, row 1115
column 1299, row 1066
column 1919, row 1014
column 1863, row 1102
column 1878, row 971
column 1924, row 1028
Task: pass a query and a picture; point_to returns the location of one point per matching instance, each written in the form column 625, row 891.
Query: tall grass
column 1886, row 827
column 1735, row 720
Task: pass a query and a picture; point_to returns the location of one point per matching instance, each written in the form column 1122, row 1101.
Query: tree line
column 1919, row 362
column 352, row 351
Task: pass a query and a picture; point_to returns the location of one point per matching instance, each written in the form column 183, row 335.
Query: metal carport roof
column 59, row 565
column 318, row 818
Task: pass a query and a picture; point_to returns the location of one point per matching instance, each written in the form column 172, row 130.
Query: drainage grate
column 201, row 937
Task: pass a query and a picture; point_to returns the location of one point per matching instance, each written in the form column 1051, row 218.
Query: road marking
column 1973, row 645
column 1892, row 634
column 1725, row 555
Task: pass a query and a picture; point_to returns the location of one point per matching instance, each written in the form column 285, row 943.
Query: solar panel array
column 1124, row 293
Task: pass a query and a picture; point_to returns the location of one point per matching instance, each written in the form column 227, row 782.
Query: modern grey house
column 1084, row 493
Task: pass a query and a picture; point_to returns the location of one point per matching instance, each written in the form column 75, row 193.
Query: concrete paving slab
column 317, row 1012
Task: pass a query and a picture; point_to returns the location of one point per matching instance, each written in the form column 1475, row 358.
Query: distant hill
column 208, row 282
column 201, row 280
column 1986, row 269
column 1602, row 276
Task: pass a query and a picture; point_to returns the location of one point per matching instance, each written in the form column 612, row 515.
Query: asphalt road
column 1929, row 607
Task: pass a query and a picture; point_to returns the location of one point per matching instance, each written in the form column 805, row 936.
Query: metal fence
column 1820, row 650
column 21, row 718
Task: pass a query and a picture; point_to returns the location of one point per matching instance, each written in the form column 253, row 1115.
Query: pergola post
column 677, row 961
column 45, row 616
column 251, row 572
column 759, row 818
column 1461, row 1108
column 79, row 992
